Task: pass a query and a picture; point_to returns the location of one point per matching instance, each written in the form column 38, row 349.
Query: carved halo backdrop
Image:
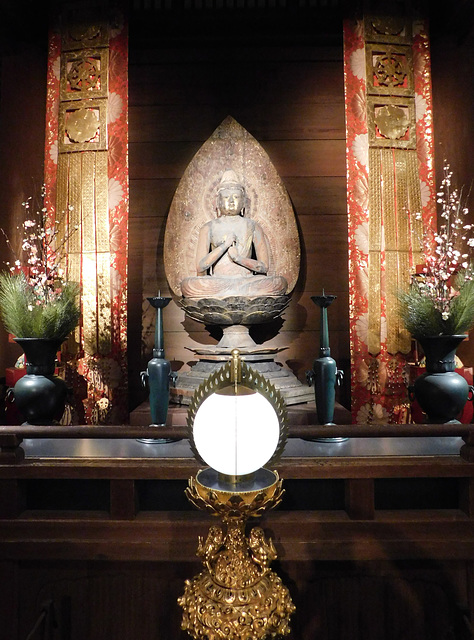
column 195, row 203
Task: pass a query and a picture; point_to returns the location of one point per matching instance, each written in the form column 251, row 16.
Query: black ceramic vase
column 440, row 391
column 40, row 395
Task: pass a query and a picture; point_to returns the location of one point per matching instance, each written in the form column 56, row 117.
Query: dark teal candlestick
column 325, row 374
column 158, row 375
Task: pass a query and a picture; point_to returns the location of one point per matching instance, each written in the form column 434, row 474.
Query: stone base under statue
column 292, row 390
column 298, row 414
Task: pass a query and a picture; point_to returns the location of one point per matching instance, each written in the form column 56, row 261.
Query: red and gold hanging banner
column 86, row 177
column 390, row 177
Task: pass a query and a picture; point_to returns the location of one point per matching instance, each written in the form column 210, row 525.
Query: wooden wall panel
column 230, row 80
column 125, row 601
column 151, row 197
column 373, row 600
column 317, row 194
column 97, row 600
column 158, row 160
column 22, row 117
column 9, row 576
column 453, row 97
column 291, row 99
column 307, row 121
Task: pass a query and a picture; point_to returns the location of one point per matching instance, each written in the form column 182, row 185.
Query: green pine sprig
column 422, row 317
column 25, row 315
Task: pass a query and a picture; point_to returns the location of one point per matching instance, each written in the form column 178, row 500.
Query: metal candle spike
column 158, row 375
column 325, row 374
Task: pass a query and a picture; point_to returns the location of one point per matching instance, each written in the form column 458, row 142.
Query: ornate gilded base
column 237, row 596
column 258, row 611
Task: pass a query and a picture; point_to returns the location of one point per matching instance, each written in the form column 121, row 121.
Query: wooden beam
column 359, row 498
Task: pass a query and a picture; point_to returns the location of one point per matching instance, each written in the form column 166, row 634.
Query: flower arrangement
column 35, row 300
column 440, row 299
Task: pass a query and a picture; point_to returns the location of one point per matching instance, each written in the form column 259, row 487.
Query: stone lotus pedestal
column 235, row 315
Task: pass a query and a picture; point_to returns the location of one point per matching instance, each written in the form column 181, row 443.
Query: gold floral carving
column 391, row 122
column 84, row 74
column 82, row 126
column 234, row 505
column 389, row 70
column 238, row 596
column 379, row 28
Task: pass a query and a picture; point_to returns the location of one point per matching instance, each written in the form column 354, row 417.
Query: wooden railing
column 12, row 436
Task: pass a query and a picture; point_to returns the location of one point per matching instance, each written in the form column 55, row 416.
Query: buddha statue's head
column 230, row 195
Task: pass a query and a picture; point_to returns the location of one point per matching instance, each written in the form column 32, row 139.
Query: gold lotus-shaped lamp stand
column 237, row 424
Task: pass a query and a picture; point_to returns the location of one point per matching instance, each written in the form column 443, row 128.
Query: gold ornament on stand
column 238, row 423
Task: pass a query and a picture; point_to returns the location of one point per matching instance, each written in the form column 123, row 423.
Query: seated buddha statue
column 232, row 256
